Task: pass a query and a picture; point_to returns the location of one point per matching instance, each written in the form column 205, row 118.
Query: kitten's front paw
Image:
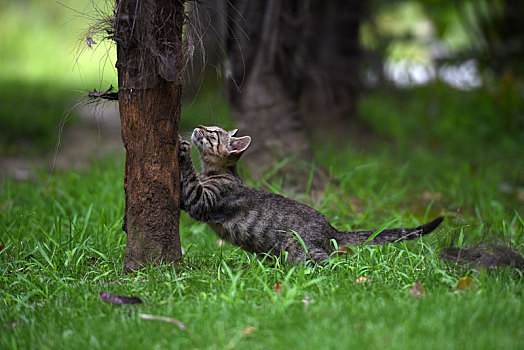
column 184, row 151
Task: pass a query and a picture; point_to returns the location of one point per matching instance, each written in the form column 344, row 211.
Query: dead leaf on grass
column 20, row 270
column 177, row 323
column 248, row 330
column 362, row 279
column 465, row 283
column 345, row 250
column 241, row 268
column 417, row 291
column 306, row 302
column 220, row 243
column 119, row 299
column 277, row 287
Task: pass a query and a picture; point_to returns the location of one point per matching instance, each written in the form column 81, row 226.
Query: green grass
column 64, row 244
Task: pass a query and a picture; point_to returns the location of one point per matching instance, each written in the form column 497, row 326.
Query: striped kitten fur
column 259, row 221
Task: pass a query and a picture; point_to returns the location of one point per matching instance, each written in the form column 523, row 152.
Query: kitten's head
column 218, row 147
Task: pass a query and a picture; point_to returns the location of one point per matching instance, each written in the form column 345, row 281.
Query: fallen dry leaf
column 248, row 330
column 465, row 283
column 119, row 299
column 277, row 287
column 306, row 302
column 344, row 250
column 362, row 279
column 241, row 268
column 220, row 243
column 163, row 319
column 417, row 291
column 22, row 269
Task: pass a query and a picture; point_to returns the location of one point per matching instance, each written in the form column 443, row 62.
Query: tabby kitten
column 259, row 221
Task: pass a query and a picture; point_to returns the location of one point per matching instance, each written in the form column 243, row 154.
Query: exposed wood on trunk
column 149, row 36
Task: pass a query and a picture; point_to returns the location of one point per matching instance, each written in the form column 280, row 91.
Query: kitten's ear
column 237, row 145
column 233, row 132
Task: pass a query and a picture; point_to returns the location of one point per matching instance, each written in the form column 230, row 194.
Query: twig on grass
column 163, row 319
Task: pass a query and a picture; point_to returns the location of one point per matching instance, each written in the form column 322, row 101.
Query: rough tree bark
column 293, row 78
column 148, row 34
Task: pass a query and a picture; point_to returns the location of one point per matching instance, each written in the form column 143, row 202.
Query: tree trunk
column 293, row 77
column 271, row 117
column 263, row 106
column 149, row 51
column 332, row 51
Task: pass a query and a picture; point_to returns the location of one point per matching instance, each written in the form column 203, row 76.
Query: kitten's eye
column 212, row 137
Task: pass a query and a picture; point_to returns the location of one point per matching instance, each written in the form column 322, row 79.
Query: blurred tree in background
column 284, row 81
column 296, row 69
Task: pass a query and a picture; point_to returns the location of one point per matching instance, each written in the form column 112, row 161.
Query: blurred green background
column 46, row 69
column 433, row 86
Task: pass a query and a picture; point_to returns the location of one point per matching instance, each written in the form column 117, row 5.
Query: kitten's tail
column 386, row 236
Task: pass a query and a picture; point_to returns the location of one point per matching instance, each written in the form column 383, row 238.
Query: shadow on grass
column 30, row 115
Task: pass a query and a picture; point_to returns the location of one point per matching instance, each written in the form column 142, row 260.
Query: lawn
column 63, row 245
